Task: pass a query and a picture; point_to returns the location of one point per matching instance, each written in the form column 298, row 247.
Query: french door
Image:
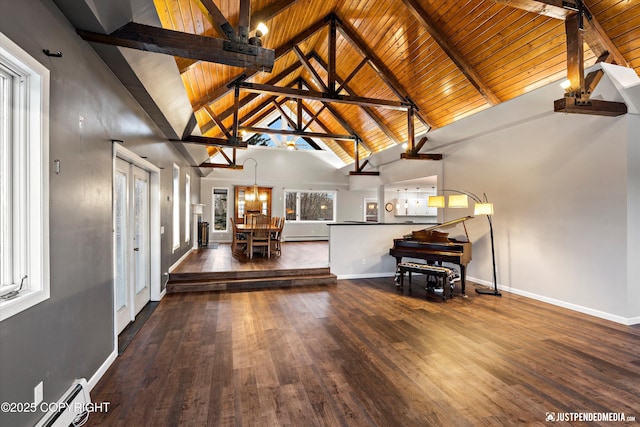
column 132, row 250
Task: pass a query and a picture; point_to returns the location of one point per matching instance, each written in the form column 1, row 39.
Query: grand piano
column 434, row 246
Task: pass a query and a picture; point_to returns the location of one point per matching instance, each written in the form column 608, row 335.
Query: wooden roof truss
column 580, row 27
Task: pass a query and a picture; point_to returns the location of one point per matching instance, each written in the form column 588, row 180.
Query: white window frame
column 25, row 181
column 366, row 203
column 213, row 210
column 176, row 207
column 298, row 192
column 187, row 209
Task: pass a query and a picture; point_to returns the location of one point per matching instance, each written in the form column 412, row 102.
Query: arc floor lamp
column 460, row 199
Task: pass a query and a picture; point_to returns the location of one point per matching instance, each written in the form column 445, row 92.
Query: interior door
column 141, row 282
column 131, row 242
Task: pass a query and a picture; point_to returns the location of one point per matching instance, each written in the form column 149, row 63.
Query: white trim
column 155, row 237
column 175, row 208
column 102, row 369
column 31, row 158
column 182, row 258
column 574, row 307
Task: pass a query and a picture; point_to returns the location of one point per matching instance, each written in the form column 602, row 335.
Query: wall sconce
column 261, row 30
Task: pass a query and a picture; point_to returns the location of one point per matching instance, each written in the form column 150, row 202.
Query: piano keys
column 435, row 246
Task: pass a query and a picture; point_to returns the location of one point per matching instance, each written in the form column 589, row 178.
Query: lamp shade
column 436, row 202
column 483, row 209
column 458, row 201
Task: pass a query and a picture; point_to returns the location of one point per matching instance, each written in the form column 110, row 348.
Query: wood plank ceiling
column 450, row 58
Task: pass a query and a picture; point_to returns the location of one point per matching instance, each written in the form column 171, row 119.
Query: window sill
column 24, row 301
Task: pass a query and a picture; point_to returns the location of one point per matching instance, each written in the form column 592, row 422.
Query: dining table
column 249, row 228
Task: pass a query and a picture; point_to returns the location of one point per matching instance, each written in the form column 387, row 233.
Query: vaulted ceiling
column 445, row 59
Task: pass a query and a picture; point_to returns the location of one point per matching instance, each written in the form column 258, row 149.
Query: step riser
column 250, row 274
column 239, row 285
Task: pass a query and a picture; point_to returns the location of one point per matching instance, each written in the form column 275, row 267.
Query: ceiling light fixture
column 261, row 30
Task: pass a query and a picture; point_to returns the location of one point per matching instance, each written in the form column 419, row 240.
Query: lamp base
column 493, row 292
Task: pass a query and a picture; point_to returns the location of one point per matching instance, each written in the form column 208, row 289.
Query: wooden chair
column 276, row 236
column 239, row 238
column 260, row 235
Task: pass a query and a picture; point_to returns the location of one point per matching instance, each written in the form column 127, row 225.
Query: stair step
column 250, row 283
column 246, row 274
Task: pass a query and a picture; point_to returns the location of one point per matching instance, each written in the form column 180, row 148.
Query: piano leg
column 463, row 276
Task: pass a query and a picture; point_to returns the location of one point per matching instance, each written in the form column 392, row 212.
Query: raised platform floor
column 301, row 264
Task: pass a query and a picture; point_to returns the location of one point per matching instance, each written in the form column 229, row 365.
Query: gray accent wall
column 71, row 334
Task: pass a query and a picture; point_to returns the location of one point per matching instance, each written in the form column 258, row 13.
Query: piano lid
column 430, row 233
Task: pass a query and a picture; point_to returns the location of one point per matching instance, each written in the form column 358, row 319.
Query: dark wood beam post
column 575, row 55
column 370, row 111
column 284, row 115
column 356, row 150
column 346, row 81
column 236, row 107
column 217, row 120
column 299, row 109
column 244, row 20
column 410, row 132
column 314, row 117
column 307, row 65
column 210, row 10
column 331, row 80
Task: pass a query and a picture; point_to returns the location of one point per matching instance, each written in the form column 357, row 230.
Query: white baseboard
column 182, row 258
column 102, row 370
column 586, row 310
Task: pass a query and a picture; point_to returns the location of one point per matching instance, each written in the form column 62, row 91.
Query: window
column 219, row 204
column 24, row 175
column 371, row 210
column 176, row 207
column 310, row 206
column 187, row 209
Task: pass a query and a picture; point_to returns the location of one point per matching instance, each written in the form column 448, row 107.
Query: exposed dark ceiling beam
column 341, row 121
column 218, row 142
column 246, row 99
column 461, row 62
column 246, row 74
column 319, row 96
column 287, row 132
column 220, row 23
column 185, row 45
column 368, row 110
column 262, row 15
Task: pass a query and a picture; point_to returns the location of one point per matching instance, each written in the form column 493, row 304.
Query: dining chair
column 260, row 235
column 239, row 238
column 276, row 235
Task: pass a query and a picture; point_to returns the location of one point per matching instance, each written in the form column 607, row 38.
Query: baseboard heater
column 72, row 409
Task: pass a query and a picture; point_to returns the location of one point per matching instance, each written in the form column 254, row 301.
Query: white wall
column 633, row 218
column 566, row 190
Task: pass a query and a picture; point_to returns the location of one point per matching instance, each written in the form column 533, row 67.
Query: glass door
column 131, row 242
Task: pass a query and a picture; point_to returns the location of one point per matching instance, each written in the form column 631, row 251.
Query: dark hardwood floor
column 294, row 255
column 360, row 354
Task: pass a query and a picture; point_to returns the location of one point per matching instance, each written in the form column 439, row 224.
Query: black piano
column 435, row 246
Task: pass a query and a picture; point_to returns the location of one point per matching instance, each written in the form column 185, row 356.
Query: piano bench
column 437, row 277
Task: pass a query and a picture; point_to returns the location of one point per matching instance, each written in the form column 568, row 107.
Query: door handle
column 136, row 249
